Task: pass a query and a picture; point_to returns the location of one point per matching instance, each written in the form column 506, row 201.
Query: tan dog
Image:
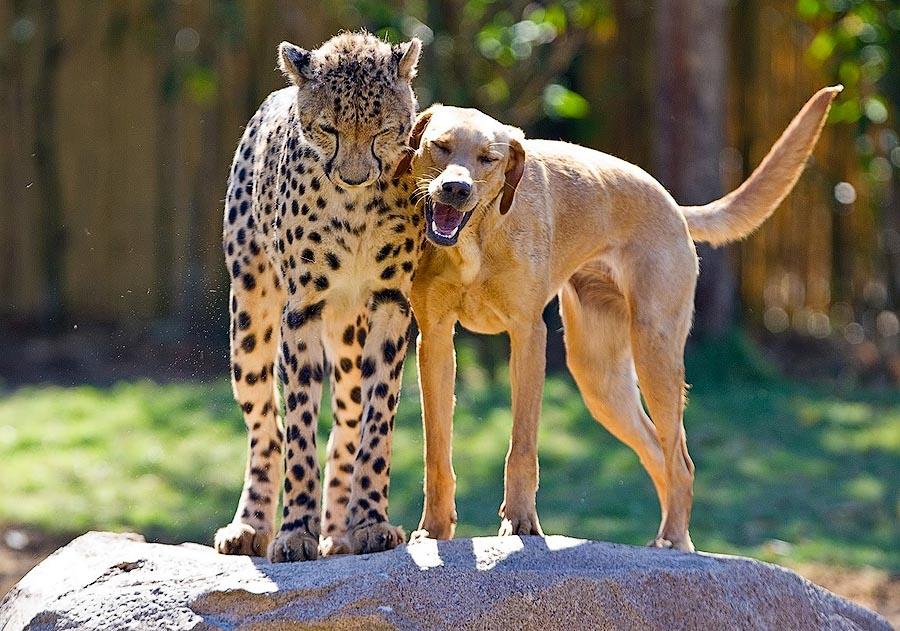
column 518, row 221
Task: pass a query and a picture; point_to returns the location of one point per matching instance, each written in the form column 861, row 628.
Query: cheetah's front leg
column 256, row 305
column 381, row 371
column 344, row 341
column 301, row 371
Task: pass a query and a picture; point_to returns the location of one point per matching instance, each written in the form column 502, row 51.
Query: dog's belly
column 481, row 324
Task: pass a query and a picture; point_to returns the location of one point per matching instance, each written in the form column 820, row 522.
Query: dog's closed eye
column 444, row 147
column 487, row 159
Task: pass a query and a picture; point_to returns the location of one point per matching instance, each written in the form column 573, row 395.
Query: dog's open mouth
column 443, row 222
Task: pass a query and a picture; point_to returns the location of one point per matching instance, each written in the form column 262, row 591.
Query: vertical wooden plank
column 796, row 242
column 84, row 144
column 23, row 193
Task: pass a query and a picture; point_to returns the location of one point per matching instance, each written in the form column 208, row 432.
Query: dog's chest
column 482, row 305
column 458, row 281
column 479, row 313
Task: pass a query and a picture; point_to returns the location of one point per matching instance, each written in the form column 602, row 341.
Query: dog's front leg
column 518, row 512
column 436, row 359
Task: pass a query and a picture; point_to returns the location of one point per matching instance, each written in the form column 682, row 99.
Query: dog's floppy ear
column 515, row 167
column 415, row 138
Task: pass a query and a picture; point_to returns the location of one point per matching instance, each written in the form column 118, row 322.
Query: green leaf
column 555, row 15
column 560, row 102
column 822, row 46
column 849, row 73
column 202, row 85
column 808, row 9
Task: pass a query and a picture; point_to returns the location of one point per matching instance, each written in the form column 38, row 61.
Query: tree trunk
column 45, row 154
column 690, row 131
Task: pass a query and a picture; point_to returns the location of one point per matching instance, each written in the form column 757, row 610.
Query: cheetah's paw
column 375, row 537
column 292, row 546
column 238, row 538
column 333, row 546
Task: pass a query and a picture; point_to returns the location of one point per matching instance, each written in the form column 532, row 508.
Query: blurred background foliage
column 119, row 118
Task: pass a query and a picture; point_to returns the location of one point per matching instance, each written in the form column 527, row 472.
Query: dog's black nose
column 458, row 191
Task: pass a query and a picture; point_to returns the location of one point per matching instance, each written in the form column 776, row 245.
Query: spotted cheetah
column 321, row 242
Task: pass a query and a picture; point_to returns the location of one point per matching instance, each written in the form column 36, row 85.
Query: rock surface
column 115, row 581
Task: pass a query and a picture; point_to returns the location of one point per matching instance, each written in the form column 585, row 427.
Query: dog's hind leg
column 598, row 354
column 660, row 296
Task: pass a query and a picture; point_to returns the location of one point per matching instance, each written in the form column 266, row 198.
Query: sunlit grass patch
column 784, row 472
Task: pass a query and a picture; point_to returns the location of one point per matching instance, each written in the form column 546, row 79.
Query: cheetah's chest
column 343, row 245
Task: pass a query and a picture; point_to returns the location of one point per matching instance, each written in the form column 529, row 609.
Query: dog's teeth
column 446, row 235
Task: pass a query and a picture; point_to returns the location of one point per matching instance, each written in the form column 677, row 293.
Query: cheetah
column 321, row 242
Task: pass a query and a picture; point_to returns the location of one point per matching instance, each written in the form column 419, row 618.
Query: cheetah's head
column 356, row 103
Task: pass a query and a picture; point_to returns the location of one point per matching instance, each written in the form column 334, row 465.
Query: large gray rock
column 112, row 581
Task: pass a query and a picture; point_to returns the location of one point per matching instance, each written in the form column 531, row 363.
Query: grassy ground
column 787, row 473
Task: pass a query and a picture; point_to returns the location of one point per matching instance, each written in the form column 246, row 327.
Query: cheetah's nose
column 358, row 181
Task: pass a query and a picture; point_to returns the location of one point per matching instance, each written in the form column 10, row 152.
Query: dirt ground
column 22, row 548
column 870, row 587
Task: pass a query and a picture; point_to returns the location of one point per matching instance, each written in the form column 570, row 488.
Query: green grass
column 776, row 462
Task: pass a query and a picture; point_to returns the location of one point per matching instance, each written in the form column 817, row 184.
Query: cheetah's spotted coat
column 321, row 245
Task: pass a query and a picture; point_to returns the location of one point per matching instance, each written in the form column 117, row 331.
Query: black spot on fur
column 390, row 296
column 390, row 352
column 298, row 317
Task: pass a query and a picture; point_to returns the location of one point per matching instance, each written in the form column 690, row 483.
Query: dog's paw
column 417, row 536
column 684, row 545
column 421, row 534
column 435, row 529
column 375, row 537
column 333, row 546
column 294, row 546
column 659, row 542
column 238, row 538
column 526, row 523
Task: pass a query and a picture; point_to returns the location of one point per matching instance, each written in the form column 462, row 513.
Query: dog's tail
column 743, row 210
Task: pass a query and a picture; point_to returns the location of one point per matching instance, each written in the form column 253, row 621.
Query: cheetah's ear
column 415, row 138
column 407, row 56
column 296, row 63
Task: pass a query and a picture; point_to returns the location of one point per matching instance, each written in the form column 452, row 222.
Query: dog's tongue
column 446, row 219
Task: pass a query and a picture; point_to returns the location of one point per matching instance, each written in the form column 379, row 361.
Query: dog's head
column 464, row 162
